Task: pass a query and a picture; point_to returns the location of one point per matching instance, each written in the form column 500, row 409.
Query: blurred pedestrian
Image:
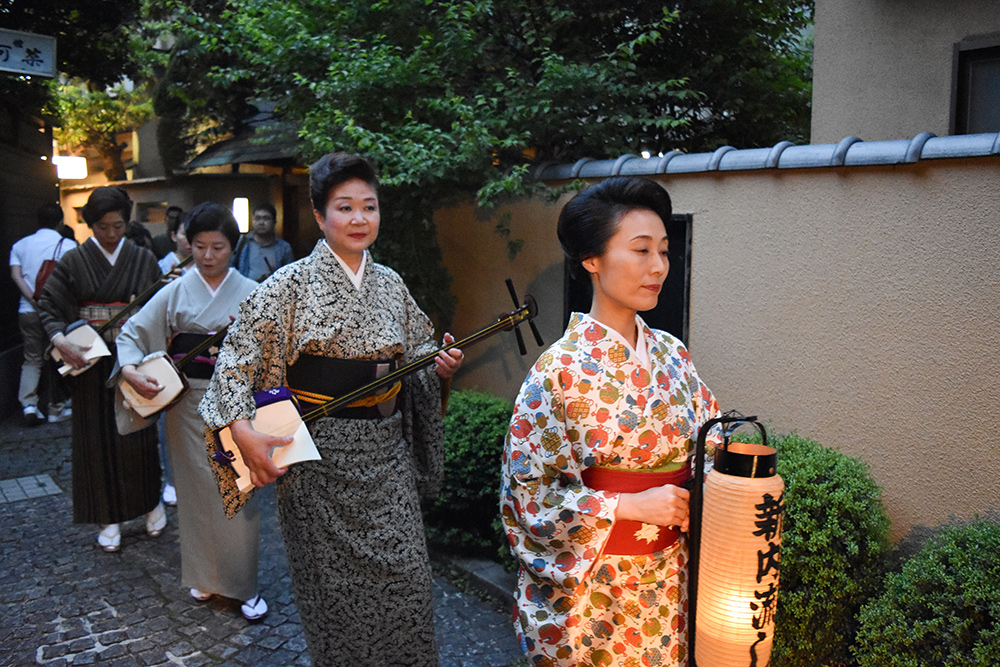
column 31, row 261
column 164, row 244
column 261, row 252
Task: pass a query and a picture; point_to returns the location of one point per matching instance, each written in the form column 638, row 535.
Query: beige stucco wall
column 857, row 306
column 883, row 68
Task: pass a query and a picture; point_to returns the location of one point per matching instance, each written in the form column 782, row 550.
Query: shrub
column 464, row 517
column 942, row 609
column 834, row 550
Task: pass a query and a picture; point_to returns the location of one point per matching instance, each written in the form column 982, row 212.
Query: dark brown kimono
column 115, row 478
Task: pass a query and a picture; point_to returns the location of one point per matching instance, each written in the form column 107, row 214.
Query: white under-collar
column 112, row 257
column 641, row 353
column 213, row 291
column 355, row 277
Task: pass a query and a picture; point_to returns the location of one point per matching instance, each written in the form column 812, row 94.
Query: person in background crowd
column 182, row 250
column 137, row 233
column 164, row 244
column 115, row 477
column 26, row 260
column 260, row 252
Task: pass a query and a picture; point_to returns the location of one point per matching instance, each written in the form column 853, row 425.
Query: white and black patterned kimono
column 218, row 555
column 351, row 522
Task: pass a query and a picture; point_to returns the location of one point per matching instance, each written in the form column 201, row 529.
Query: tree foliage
column 95, row 118
column 463, row 96
column 94, row 41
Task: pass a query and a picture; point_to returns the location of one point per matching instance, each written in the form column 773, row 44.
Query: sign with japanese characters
column 27, row 53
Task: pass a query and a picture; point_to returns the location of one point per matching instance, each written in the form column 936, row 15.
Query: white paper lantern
column 739, row 562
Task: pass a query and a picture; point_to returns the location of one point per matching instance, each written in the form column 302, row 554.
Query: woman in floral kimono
column 115, row 477
column 218, row 555
column 599, row 450
column 351, row 521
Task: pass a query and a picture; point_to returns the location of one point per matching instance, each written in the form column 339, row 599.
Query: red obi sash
column 631, row 538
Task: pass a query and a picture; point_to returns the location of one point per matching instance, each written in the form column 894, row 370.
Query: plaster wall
column 856, row 306
column 883, row 69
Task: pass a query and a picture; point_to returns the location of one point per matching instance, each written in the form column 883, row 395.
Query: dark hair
column 265, row 206
column 104, row 200
column 210, row 217
column 49, row 215
column 591, row 218
column 173, row 224
column 333, row 169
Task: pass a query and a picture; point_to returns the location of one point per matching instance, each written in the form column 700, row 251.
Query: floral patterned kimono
column 591, row 400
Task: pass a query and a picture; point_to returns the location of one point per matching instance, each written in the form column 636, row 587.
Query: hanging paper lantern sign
column 738, row 557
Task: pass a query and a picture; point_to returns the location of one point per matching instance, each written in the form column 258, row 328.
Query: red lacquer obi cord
column 631, row 538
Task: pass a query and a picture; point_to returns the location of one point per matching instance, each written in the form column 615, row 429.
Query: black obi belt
column 316, row 380
column 202, row 366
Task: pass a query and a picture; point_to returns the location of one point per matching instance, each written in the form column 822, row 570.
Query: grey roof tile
column 848, row 152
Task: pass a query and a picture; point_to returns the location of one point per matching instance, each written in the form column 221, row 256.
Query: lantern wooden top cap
column 745, row 459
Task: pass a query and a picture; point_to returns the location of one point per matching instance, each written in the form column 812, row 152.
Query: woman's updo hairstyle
column 104, row 200
column 210, row 217
column 591, row 218
column 333, row 169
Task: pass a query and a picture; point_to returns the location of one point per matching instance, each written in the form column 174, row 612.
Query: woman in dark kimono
column 115, row 478
column 351, row 522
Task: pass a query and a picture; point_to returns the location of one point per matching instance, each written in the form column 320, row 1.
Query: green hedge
column 463, row 519
column 833, row 556
column 942, row 609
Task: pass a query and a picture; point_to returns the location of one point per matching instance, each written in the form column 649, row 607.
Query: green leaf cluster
column 942, row 609
column 95, row 41
column 454, row 98
column 463, row 518
column 94, row 117
column 834, row 551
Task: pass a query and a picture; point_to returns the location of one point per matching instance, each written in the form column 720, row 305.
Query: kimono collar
column 356, row 278
column 213, row 291
column 640, row 350
column 112, row 257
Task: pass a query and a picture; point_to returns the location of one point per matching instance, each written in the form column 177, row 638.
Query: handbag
column 46, row 270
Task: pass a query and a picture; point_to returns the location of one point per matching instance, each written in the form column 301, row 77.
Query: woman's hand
column 146, row 386
column 255, row 447
column 665, row 505
column 449, row 362
column 71, row 353
column 172, row 274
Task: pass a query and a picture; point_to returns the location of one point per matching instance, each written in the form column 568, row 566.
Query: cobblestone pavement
column 63, row 601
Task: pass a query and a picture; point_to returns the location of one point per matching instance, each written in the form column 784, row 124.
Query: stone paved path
column 63, row 601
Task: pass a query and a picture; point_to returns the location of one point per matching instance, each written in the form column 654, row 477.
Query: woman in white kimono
column 599, row 451
column 218, row 555
column 351, row 523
